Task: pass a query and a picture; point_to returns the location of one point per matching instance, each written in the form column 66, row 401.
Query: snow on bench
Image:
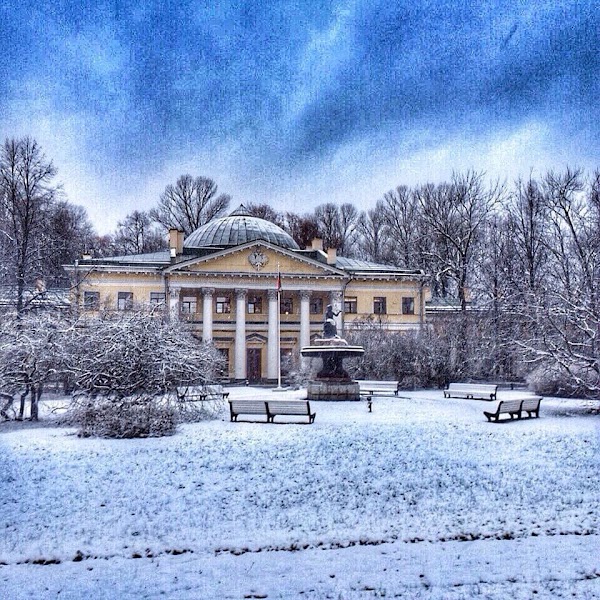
column 199, row 393
column 378, row 388
column 271, row 409
column 300, row 408
column 471, row 390
column 215, row 390
column 516, row 408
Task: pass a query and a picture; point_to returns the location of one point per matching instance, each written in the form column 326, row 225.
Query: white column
column 273, row 336
column 207, row 314
column 240, row 334
column 336, row 304
column 304, row 319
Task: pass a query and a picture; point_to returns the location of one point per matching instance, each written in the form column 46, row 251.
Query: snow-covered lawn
column 420, row 499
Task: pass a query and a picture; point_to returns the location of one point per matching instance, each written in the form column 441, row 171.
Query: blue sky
column 297, row 103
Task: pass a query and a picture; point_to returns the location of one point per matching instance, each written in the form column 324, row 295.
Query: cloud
column 286, row 101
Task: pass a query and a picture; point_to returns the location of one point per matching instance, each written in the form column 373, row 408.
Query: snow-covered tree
column 30, row 354
column 124, row 369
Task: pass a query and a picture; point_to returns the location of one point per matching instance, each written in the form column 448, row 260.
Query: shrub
column 130, row 417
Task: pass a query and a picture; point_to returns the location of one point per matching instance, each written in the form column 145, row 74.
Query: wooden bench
column 516, row 409
column 247, row 407
column 531, row 406
column 190, row 393
column 215, row 390
column 299, row 408
column 271, row 409
column 473, row 391
column 378, row 388
column 199, row 393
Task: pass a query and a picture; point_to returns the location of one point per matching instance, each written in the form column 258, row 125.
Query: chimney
column 331, row 256
column 317, row 244
column 175, row 242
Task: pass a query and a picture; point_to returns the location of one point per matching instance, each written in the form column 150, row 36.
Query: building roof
column 238, row 228
column 362, row 266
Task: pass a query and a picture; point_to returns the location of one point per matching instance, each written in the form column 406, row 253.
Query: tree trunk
column 36, row 394
column 22, row 404
column 9, row 400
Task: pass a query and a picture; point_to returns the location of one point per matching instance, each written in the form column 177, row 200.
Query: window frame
column 351, row 305
column 410, row 301
column 187, row 304
column 316, row 305
column 124, row 301
column 91, row 304
column 256, row 302
column 286, row 301
column 223, row 305
column 157, row 299
column 382, row 301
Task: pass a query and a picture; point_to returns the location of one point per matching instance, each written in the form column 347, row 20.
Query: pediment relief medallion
column 257, row 259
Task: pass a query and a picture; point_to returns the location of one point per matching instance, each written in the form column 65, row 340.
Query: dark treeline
column 516, row 265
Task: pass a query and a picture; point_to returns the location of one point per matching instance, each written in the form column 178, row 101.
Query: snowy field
column 422, row 498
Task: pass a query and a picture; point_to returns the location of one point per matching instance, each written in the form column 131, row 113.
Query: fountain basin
column 332, row 381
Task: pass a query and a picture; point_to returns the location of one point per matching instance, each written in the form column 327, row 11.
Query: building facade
column 243, row 284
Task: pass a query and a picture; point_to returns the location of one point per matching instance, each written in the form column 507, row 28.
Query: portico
column 251, row 319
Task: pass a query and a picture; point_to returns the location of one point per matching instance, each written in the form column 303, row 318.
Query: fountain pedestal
column 332, row 381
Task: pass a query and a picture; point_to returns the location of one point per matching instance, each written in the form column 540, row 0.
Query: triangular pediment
column 256, row 258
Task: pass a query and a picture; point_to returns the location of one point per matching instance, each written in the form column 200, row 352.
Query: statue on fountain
column 329, row 326
column 332, row 382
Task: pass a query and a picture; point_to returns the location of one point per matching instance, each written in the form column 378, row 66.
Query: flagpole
column 278, row 328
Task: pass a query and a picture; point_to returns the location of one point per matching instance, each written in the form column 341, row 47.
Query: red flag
column 278, row 284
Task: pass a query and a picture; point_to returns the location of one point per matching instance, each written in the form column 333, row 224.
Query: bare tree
column 528, row 221
column 67, row 235
column 455, row 216
column 136, row 234
column 266, row 212
column 372, row 228
column 303, row 228
column 27, row 192
column 400, row 210
column 337, row 226
column 189, row 204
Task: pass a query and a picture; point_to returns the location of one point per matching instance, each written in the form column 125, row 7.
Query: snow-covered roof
column 149, row 258
column 356, row 265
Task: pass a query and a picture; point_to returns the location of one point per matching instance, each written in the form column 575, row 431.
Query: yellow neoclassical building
column 223, row 280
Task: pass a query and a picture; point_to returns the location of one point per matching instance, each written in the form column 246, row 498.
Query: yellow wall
column 298, row 274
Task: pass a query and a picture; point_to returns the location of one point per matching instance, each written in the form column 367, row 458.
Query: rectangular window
column 316, row 306
column 157, row 298
column 125, row 301
column 408, row 306
column 350, row 305
column 224, row 371
column 189, row 304
column 287, row 306
column 223, row 305
column 379, row 305
column 91, row 300
column 254, row 305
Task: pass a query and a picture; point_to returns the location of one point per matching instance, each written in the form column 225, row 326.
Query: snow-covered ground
column 422, row 498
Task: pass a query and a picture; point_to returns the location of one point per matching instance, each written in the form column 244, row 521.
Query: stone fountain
column 332, row 381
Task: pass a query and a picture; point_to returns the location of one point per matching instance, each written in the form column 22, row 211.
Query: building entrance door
column 253, row 364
